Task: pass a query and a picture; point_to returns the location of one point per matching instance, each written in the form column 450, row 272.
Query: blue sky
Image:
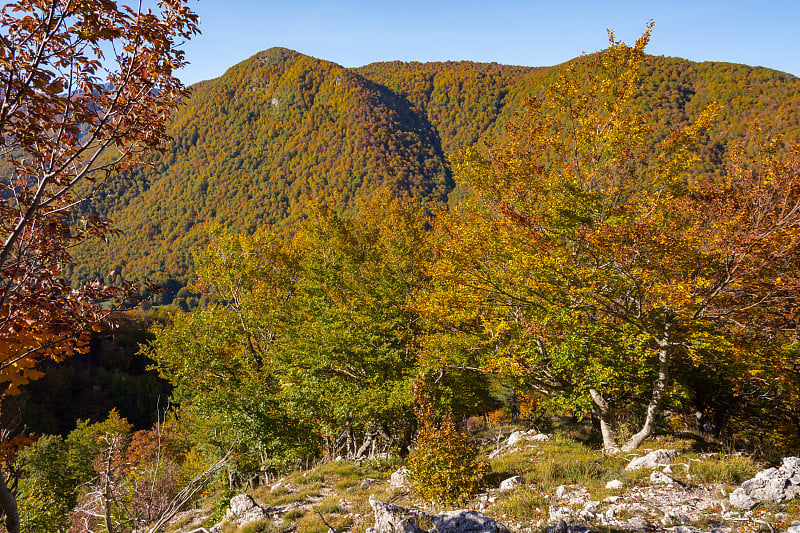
column 354, row 33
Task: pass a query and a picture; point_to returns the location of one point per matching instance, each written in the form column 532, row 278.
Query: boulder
column 390, row 518
column 512, row 483
column 653, row 460
column 369, row 482
column 615, row 484
column 245, row 509
column 465, row 521
column 560, row 512
column 773, row 485
column 399, row 478
column 657, row 478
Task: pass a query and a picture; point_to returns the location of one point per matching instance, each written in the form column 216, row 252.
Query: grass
column 730, row 470
column 335, row 489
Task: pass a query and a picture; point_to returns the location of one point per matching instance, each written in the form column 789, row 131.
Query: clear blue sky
column 534, row 33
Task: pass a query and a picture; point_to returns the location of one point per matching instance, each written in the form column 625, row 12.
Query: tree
column 86, row 87
column 310, row 345
column 593, row 258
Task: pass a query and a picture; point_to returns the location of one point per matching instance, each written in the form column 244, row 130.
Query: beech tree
column 86, row 88
column 594, row 258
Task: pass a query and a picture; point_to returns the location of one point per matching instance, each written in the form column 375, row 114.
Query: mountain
column 282, row 130
column 256, row 146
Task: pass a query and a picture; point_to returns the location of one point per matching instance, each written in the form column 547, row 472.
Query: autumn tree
column 593, row 258
column 86, row 87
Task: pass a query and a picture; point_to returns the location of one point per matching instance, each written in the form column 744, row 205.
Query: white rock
column 653, row 460
column 465, row 521
column 559, row 512
column 512, row 483
column 615, row 484
column 612, row 499
column 658, row 478
column 591, row 506
column 245, row 509
column 399, row 478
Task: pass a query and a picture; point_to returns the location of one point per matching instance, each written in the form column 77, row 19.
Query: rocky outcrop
column 390, row 518
column 244, row 509
column 774, row 485
column 464, row 521
column 653, row 460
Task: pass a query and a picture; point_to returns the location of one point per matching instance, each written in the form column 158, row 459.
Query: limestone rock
column 390, row 518
column 369, row 482
column 399, row 478
column 573, row 494
column 658, row 478
column 615, row 484
column 638, row 523
column 653, row 460
column 517, row 437
column 562, row 527
column 245, row 509
column 465, row 521
column 560, row 512
column 512, row 483
column 773, row 485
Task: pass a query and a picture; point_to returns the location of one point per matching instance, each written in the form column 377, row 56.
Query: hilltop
column 281, row 130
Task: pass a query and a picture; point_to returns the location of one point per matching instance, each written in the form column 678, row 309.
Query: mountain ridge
column 281, row 130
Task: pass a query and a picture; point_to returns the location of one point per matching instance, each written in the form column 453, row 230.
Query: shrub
column 444, row 467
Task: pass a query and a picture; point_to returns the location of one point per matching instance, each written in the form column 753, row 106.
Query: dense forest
column 367, row 259
column 281, row 131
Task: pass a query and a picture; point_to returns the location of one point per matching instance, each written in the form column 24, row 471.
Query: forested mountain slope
column 253, row 148
column 281, row 129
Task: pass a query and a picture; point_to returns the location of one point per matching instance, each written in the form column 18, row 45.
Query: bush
column 444, row 467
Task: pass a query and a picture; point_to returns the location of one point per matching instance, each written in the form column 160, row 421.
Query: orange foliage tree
column 86, row 87
column 594, row 260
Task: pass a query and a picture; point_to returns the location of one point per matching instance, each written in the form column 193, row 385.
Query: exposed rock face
column 467, row 522
column 391, row 518
column 245, row 509
column 653, row 460
column 774, row 485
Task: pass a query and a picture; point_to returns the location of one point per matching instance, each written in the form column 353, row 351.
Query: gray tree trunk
column 606, row 427
column 659, row 388
column 8, row 503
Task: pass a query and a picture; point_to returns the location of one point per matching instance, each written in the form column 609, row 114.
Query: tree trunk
column 659, row 388
column 606, row 428
column 368, row 439
column 8, row 504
